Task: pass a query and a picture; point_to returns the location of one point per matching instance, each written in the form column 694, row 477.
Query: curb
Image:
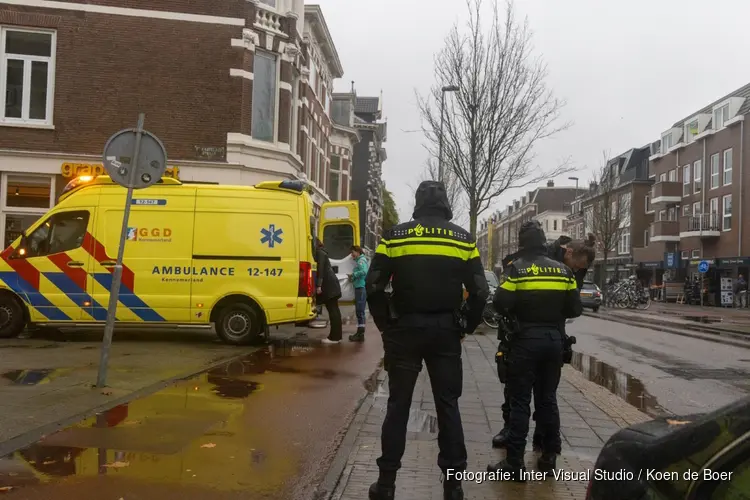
column 728, row 338
column 30, row 437
column 329, row 487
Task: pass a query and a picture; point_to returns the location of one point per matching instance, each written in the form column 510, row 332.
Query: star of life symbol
column 271, row 236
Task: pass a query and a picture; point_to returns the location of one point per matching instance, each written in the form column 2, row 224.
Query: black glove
column 568, row 349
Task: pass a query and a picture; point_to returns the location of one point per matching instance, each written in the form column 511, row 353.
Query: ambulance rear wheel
column 11, row 317
column 238, row 324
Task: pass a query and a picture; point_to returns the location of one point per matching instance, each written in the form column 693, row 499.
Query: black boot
column 453, row 491
column 359, row 336
column 547, row 462
column 381, row 492
column 500, row 439
column 517, row 473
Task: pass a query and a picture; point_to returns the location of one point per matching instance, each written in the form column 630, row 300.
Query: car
column 591, row 296
column 694, row 457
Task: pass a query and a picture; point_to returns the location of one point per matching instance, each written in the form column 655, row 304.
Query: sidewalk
column 738, row 316
column 589, row 415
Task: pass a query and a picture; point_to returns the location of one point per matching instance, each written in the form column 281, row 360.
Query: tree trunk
column 473, row 222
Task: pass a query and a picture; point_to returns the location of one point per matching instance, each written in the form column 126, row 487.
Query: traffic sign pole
column 114, row 293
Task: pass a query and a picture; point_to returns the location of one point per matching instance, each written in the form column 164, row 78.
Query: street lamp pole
column 447, row 88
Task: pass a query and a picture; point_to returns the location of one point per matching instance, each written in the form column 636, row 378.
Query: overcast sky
column 627, row 70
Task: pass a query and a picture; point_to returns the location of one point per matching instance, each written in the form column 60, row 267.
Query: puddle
column 32, row 377
column 703, row 319
column 16, row 346
column 620, row 384
column 419, row 420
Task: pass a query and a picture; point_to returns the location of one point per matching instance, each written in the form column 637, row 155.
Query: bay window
column 264, row 96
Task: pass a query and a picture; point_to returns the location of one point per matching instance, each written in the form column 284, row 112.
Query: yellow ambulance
column 240, row 257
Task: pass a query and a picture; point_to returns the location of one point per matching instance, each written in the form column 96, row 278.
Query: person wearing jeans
column 360, row 296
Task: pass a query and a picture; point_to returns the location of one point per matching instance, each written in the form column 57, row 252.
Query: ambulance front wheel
column 12, row 321
column 238, row 324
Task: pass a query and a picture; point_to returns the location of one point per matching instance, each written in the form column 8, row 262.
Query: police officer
column 540, row 293
column 577, row 255
column 428, row 260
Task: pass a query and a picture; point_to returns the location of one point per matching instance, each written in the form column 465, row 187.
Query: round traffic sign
column 118, row 159
column 703, row 266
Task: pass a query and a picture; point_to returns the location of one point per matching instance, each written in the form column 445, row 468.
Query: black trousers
column 334, row 318
column 506, row 411
column 435, row 340
column 534, row 364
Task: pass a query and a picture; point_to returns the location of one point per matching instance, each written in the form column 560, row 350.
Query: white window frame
column 689, row 136
column 277, row 59
column 724, row 215
column 686, row 180
column 715, row 175
column 663, row 177
column 26, row 103
column 696, row 253
column 673, row 176
column 726, row 170
column 666, row 142
column 713, row 210
column 686, row 209
column 623, row 246
column 647, row 207
column 697, row 176
column 6, row 210
column 662, row 215
column 722, row 108
column 697, row 209
column 646, row 238
column 684, row 255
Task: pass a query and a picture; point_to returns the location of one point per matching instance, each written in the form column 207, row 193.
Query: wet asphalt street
column 263, row 427
column 659, row 372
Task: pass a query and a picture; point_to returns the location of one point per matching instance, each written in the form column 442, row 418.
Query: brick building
column 698, row 169
column 239, row 92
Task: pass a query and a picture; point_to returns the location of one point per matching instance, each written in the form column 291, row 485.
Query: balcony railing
column 666, row 192
column 705, row 223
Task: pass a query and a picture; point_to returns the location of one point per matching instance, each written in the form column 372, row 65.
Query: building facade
column 613, row 210
column 697, row 197
column 367, row 170
column 239, row 92
column 343, row 139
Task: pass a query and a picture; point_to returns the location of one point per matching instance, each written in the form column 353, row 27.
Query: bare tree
column 501, row 110
column 606, row 209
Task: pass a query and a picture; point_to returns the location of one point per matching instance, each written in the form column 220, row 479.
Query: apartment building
column 698, row 169
column 613, row 209
column 238, row 91
column 498, row 236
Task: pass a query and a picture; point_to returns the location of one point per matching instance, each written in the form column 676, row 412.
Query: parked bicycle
column 627, row 294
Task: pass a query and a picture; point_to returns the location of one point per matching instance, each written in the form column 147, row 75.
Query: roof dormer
column 725, row 113
column 694, row 127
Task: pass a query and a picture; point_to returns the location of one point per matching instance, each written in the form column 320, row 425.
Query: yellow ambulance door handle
column 75, row 263
column 109, row 263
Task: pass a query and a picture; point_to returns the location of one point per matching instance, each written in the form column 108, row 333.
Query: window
column 727, row 167
column 697, row 208
column 671, row 214
column 696, row 253
column 686, row 180
column 313, row 76
column 697, row 176
column 546, row 224
column 691, row 130
column 673, row 175
column 264, row 97
column 613, row 210
column 646, row 237
column 554, row 225
column 624, row 246
column 27, row 75
column 647, row 204
column 685, row 210
column 684, row 255
column 726, row 212
column 666, row 143
column 721, row 115
column 662, row 215
column 60, row 233
column 714, row 171
column 338, row 240
column 713, row 207
column 663, row 177
column 335, row 187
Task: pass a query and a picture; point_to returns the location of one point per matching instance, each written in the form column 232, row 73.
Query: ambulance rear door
column 339, row 230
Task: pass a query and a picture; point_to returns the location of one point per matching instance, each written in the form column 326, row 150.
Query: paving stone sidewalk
column 589, row 414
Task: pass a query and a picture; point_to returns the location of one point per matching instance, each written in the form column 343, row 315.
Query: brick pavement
column 589, row 414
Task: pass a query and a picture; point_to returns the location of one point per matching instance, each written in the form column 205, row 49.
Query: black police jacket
column 538, row 290
column 429, row 260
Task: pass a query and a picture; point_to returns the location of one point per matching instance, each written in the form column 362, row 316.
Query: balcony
column 703, row 226
column 663, row 193
column 665, row 230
